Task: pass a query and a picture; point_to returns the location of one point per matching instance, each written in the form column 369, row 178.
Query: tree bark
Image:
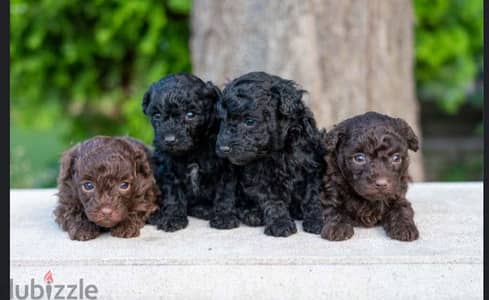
column 352, row 56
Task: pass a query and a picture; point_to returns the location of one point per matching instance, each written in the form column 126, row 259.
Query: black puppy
column 190, row 175
column 271, row 138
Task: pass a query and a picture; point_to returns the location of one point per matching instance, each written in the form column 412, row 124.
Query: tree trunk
column 352, row 56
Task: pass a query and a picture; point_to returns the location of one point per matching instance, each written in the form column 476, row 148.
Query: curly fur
column 190, row 175
column 105, row 162
column 271, row 138
column 372, row 191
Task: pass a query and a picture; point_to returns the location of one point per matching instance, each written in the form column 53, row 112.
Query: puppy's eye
column 156, row 116
column 124, row 186
column 396, row 158
column 88, row 186
column 359, row 158
column 250, row 122
column 190, row 115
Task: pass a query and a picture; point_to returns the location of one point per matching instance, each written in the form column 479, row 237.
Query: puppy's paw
column 84, row 231
column 404, row 232
column 370, row 218
column 284, row 227
column 126, row 229
column 172, row 223
column 337, row 232
column 313, row 225
column 226, row 221
column 252, row 217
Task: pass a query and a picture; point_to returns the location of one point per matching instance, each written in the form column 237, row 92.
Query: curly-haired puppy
column 271, row 138
column 105, row 183
column 367, row 177
column 190, row 175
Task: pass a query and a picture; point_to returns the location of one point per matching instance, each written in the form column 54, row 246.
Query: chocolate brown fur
column 124, row 190
column 367, row 177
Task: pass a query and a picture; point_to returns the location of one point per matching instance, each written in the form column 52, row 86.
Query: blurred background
column 79, row 69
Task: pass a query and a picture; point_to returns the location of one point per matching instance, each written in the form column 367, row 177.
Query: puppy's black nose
column 224, row 149
column 381, row 183
column 170, row 139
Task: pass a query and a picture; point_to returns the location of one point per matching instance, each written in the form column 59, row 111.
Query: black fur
column 190, row 175
column 272, row 140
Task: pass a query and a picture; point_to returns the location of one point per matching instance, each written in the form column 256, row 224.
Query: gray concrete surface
column 204, row 263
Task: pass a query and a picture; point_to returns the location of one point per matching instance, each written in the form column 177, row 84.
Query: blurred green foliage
column 449, row 52
column 33, row 156
column 469, row 169
column 79, row 69
column 91, row 61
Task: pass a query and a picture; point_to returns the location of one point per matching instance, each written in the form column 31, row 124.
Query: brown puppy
column 366, row 178
column 105, row 183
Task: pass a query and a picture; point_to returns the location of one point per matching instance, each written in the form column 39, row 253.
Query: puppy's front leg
column 128, row 228
column 399, row 222
column 277, row 219
column 311, row 206
column 173, row 212
column 337, row 226
column 72, row 219
column 275, row 212
column 225, row 203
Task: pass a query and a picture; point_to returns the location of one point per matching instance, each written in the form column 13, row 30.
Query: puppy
column 271, row 138
column 191, row 177
column 105, row 183
column 367, row 177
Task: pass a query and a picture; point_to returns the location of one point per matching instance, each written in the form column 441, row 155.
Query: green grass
column 34, row 156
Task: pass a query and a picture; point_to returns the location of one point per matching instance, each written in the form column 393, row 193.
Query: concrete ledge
column 204, row 263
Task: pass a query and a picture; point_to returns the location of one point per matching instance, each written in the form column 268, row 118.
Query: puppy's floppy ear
column 66, row 169
column 142, row 156
column 292, row 113
column 333, row 137
column 68, row 200
column 403, row 128
column 209, row 90
column 146, row 100
column 145, row 185
column 289, row 97
column 66, row 183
